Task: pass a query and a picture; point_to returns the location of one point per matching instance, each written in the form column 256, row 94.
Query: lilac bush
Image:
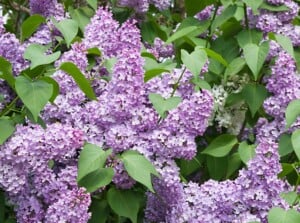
column 149, row 111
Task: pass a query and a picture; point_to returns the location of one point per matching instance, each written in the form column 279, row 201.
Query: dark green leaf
column 296, row 142
column 6, row 72
column 249, row 36
column 255, row 56
column 246, row 152
column 225, row 16
column 100, row 211
column 254, row 95
column 7, row 128
column 285, row 145
column 91, row 158
column 218, row 57
column 30, row 25
column 125, row 203
column 234, row 162
column 279, row 215
column 234, row 67
column 82, row 82
column 221, row 145
column 139, row 168
column 34, row 94
column 181, row 33
column 94, row 51
column 97, row 179
column 287, row 168
column 292, row 112
column 37, row 55
column 2, row 206
column 163, row 105
column 68, row 29
column 194, row 6
column 217, row 167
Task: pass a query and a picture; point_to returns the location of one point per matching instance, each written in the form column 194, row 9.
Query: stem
column 8, row 107
column 18, row 7
column 212, row 21
column 246, row 16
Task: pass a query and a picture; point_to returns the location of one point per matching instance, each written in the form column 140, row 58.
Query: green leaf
column 194, row 6
column 37, row 55
column 292, row 112
column 80, row 16
column 6, row 72
column 285, row 42
column 91, row 158
column 54, row 85
column 153, row 68
column 139, row 168
column 30, row 25
column 68, row 28
column 255, row 56
column 97, row 179
column 235, row 67
column 274, row 8
column 100, row 211
column 218, row 57
column 254, row 5
column 287, row 168
column 296, row 142
column 285, row 145
column 246, row 152
column 2, row 206
column 125, row 203
column 7, row 128
column 82, row 82
column 194, row 61
column 93, row 3
column 181, row 33
column 34, row 94
column 110, row 63
column 221, row 145
column 200, row 83
column 234, row 163
column 249, row 36
column 94, row 51
column 217, row 167
column 254, row 95
column 279, row 215
column 290, row 197
column 224, row 17
column 163, row 105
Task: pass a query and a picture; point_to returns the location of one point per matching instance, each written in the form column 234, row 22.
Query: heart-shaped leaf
column 279, row 215
column 292, row 112
column 30, row 25
column 68, row 29
column 254, row 95
column 34, row 94
column 139, row 168
column 246, row 152
column 194, row 61
column 163, row 105
column 255, row 56
column 7, row 128
column 37, row 55
column 221, row 145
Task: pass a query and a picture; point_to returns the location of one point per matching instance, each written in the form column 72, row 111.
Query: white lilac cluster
column 229, row 117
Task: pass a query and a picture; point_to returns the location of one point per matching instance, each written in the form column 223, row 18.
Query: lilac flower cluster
column 142, row 6
column 38, row 172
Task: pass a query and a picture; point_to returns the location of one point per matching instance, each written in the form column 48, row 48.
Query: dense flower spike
column 39, row 165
